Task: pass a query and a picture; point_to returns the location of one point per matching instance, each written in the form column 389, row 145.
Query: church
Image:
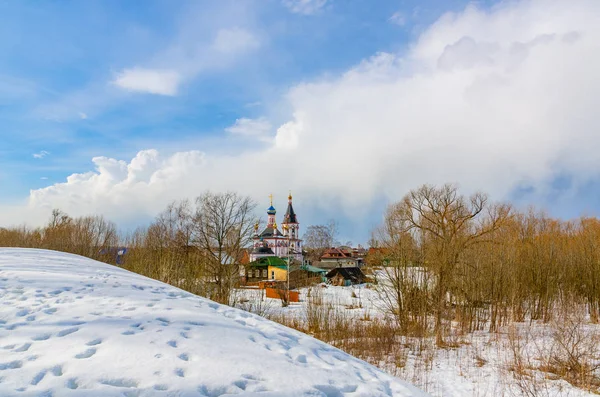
column 273, row 242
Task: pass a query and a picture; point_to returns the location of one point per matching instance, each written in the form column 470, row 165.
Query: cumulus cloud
column 305, row 7
column 40, row 155
column 252, row 128
column 152, row 81
column 492, row 99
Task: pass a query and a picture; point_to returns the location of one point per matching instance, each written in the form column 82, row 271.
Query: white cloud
column 40, row 155
column 492, row 100
column 252, row 128
column 235, row 40
column 186, row 58
column 83, row 116
column 398, row 18
column 152, row 81
column 305, row 7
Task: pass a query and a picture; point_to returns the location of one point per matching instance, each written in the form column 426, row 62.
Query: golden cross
column 271, row 197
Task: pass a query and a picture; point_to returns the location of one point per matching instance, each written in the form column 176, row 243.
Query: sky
column 118, row 108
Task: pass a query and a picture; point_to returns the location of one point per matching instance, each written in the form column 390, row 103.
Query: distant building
column 274, row 242
column 339, row 257
column 345, row 276
column 273, row 268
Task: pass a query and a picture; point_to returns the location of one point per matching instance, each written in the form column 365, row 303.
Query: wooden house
column 345, row 276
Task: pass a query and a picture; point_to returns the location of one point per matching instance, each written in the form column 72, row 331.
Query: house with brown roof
column 338, row 257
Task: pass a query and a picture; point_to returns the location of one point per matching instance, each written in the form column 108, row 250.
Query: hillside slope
column 70, row 326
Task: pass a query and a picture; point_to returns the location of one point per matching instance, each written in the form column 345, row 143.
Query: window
column 264, row 273
column 257, row 273
column 272, row 274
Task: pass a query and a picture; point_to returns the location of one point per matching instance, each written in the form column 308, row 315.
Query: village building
column 339, row 257
column 345, row 276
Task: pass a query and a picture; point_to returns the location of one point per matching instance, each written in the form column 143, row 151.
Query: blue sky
column 222, row 80
column 59, row 58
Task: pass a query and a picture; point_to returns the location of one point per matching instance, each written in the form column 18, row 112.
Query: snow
column 479, row 365
column 70, row 326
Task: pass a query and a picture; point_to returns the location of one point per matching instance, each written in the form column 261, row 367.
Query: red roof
column 335, row 253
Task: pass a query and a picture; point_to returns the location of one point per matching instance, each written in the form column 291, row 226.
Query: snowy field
column 479, row 366
column 70, row 326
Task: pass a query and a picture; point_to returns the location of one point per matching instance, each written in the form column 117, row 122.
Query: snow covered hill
column 70, row 326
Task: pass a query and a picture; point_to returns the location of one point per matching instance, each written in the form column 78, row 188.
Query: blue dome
column 271, row 210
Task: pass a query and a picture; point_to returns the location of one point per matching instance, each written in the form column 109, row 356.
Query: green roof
column 269, row 261
column 313, row 269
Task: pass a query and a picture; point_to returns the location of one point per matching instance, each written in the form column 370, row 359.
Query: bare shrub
column 575, row 350
column 254, row 301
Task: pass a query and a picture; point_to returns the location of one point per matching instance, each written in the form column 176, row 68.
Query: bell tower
column 291, row 228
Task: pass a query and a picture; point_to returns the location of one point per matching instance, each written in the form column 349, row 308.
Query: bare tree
column 223, row 228
column 448, row 224
column 318, row 238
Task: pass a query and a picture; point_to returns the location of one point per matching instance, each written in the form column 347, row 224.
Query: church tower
column 291, row 229
column 271, row 214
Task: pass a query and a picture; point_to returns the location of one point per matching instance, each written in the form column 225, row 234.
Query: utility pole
column 288, row 261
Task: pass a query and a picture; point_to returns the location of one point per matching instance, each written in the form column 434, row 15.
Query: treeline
column 89, row 236
column 443, row 259
column 194, row 245
column 448, row 261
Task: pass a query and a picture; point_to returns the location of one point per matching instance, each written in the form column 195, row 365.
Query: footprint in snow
column 172, row 343
column 72, row 384
column 56, row 370
column 120, row 382
column 22, row 313
column 11, row 365
column 86, row 354
column 184, row 357
column 67, row 331
column 38, row 378
column 94, row 342
column 301, row 359
column 41, row 337
column 180, row 372
column 23, row 348
column 15, row 326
